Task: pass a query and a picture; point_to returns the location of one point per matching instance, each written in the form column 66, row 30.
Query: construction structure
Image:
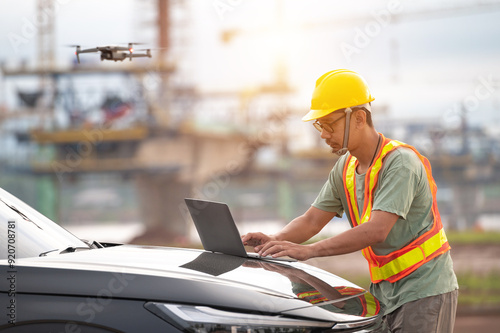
column 135, row 137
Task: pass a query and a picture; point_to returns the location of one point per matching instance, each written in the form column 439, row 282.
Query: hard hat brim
column 316, row 114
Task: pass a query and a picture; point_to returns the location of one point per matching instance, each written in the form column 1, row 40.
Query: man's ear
column 359, row 118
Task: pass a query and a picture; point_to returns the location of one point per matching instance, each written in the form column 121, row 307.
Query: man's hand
column 255, row 239
column 297, row 231
column 284, row 248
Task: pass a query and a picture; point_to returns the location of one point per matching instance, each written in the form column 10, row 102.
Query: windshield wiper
column 69, row 249
column 43, row 254
column 20, row 213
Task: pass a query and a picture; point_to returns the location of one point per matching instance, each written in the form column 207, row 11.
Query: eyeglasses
column 326, row 126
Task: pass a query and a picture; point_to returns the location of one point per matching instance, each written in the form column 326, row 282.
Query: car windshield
column 29, row 233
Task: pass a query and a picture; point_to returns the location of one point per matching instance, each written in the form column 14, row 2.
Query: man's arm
column 367, row 234
column 305, row 226
column 298, row 230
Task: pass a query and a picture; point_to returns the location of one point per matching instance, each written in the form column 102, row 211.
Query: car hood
column 190, row 276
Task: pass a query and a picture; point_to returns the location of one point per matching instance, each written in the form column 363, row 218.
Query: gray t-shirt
column 402, row 189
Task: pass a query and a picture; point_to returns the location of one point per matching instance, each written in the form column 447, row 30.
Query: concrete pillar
column 161, row 198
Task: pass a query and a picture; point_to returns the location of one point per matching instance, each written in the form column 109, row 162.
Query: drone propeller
column 77, row 52
column 131, row 46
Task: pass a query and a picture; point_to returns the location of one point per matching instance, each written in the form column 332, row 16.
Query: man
column 386, row 189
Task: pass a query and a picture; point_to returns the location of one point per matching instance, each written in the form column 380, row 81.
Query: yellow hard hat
column 338, row 89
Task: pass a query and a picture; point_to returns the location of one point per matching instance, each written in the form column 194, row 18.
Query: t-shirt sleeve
column 328, row 198
column 399, row 183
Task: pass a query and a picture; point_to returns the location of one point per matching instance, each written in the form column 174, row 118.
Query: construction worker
column 386, row 189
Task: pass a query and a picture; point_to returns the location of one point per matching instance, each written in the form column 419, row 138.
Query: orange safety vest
column 370, row 304
column 402, row 262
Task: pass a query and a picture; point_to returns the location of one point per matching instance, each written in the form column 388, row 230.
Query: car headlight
column 207, row 319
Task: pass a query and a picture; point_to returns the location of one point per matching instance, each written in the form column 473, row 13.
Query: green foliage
column 477, row 289
column 473, row 237
column 472, row 281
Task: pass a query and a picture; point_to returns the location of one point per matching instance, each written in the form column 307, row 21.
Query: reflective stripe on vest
column 400, row 263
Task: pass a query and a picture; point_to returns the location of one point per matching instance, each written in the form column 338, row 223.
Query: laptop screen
column 216, row 227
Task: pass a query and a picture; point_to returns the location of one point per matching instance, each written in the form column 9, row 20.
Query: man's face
column 333, row 130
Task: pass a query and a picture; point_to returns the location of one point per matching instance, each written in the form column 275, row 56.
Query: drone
column 116, row 53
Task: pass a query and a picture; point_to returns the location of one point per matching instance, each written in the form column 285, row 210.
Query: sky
column 419, row 59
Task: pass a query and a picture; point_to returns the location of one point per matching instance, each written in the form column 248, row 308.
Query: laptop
column 217, row 230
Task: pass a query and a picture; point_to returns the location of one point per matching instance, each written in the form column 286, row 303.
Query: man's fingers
column 250, row 239
column 245, row 238
column 271, row 248
column 261, row 249
column 281, row 249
